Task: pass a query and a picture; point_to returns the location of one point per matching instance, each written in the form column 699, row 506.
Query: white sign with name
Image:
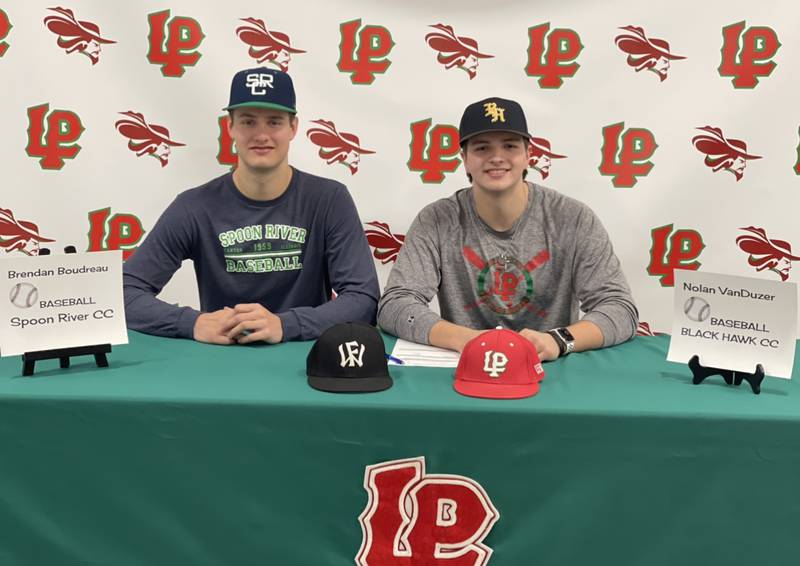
column 61, row 301
column 734, row 322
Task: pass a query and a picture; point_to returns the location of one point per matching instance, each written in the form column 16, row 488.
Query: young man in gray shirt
column 505, row 252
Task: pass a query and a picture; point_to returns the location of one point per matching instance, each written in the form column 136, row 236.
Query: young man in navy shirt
column 269, row 242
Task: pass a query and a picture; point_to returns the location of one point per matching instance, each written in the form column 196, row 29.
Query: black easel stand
column 99, row 352
column 731, row 377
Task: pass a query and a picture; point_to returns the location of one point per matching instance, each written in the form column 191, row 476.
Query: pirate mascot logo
column 723, row 153
column 272, row 47
column 146, row 139
column 76, row 35
column 455, row 51
column 646, row 53
column 337, row 147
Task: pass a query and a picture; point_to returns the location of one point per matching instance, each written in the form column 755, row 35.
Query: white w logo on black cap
column 354, row 355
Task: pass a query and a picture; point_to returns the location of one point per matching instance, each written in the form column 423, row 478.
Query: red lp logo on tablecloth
column 76, row 36
column 5, row 27
column 54, row 142
column 674, row 250
column 434, row 150
column 272, row 47
column 626, row 155
column 363, row 51
column 119, row 232
column 746, row 54
column 337, row 147
column 416, row 518
column 551, row 55
column 173, row 44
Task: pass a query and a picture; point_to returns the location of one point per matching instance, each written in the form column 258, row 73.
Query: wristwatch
column 564, row 339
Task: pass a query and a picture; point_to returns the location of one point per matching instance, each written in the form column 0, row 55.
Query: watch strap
column 562, row 344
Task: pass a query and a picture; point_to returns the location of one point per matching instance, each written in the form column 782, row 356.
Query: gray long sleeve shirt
column 286, row 253
column 555, row 260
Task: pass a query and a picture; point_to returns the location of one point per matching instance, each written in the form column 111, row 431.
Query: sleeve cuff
column 605, row 325
column 290, row 325
column 186, row 321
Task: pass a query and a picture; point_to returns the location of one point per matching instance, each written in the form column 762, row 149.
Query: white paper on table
column 422, row 355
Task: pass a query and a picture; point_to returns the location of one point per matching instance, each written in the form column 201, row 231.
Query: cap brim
column 495, row 391
column 491, row 130
column 350, row 384
column 262, row 105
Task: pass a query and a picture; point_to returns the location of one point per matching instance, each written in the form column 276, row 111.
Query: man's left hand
column 252, row 323
column 545, row 345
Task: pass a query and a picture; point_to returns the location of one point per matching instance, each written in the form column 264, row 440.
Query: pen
column 395, row 360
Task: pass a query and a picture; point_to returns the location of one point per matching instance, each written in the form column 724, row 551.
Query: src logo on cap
column 146, row 139
column 645, row 53
column 455, row 51
column 766, row 253
column 337, row 147
column 272, row 47
column 722, row 153
column 19, row 235
column 74, row 35
column 416, row 518
column 386, row 246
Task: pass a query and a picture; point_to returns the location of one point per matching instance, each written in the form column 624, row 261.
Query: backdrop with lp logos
column 678, row 126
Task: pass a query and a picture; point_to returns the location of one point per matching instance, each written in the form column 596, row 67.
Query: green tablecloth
column 185, row 453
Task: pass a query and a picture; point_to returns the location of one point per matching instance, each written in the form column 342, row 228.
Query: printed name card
column 61, row 301
column 734, row 322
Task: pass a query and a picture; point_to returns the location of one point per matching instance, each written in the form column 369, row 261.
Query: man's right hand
column 213, row 327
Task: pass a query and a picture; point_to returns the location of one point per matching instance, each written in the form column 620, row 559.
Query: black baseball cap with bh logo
column 492, row 115
column 349, row 358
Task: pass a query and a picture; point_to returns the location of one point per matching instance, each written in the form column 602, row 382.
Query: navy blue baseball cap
column 262, row 88
column 492, row 115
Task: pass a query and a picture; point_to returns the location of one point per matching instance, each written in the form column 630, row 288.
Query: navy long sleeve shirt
column 287, row 254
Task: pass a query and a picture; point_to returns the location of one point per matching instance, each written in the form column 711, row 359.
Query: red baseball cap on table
column 499, row 364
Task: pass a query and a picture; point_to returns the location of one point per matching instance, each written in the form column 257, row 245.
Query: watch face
column 566, row 334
